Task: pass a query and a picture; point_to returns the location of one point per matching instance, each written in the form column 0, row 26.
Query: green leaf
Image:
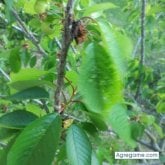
column 89, row 128
column 159, row 130
column 27, row 74
column 118, row 46
column 98, row 121
column 79, row 150
column 4, row 151
column 99, row 81
column 30, row 93
column 21, row 85
column 17, row 119
column 37, row 143
column 95, row 160
column 137, row 130
column 98, row 7
column 7, row 133
column 160, row 107
column 72, row 76
column 8, row 8
column 15, row 60
column 29, row 6
column 147, row 119
column 118, row 119
column 35, row 108
column 33, row 61
column 61, row 155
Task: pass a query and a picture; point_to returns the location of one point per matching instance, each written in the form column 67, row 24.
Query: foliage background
column 99, row 100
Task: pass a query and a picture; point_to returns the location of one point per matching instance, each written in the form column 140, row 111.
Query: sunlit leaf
column 99, row 81
column 117, row 44
column 98, row 8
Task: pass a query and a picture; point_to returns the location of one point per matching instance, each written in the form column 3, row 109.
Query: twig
column 28, row 34
column 153, row 141
column 143, row 9
column 5, row 74
column 136, row 47
column 66, row 41
column 148, row 145
column 72, row 117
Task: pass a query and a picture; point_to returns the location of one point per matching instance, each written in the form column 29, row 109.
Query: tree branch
column 66, row 41
column 143, row 9
column 28, row 34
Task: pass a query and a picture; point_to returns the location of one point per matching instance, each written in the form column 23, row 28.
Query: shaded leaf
column 30, row 93
column 7, row 133
column 17, row 119
column 137, row 130
column 98, row 121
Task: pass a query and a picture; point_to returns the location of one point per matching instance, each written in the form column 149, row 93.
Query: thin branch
column 5, row 74
column 142, row 56
column 66, row 41
column 28, row 34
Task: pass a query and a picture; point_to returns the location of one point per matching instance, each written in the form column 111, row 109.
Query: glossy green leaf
column 118, row 119
column 98, row 7
column 79, row 150
column 118, row 46
column 37, row 143
column 99, row 81
column 30, row 93
column 17, row 119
